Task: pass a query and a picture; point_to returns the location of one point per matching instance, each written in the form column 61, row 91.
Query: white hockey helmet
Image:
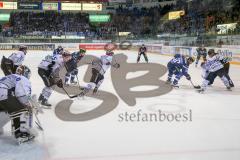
column 24, row 71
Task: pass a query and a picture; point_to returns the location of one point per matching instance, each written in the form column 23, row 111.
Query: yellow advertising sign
column 92, row 7
column 175, row 14
column 71, row 6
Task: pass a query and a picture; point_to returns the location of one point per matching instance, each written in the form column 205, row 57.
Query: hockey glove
column 60, row 83
column 95, row 90
column 188, row 77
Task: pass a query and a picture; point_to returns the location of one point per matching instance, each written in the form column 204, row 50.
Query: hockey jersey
column 72, row 64
column 52, row 62
column 103, row 63
column 17, row 58
column 201, row 51
column 179, row 63
column 20, row 85
column 214, row 63
column 142, row 49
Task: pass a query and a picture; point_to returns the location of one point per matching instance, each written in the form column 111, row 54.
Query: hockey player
column 178, row 66
column 15, row 92
column 58, row 51
column 214, row 67
column 201, row 52
column 226, row 65
column 71, row 67
column 49, row 70
column 10, row 64
column 99, row 68
column 142, row 51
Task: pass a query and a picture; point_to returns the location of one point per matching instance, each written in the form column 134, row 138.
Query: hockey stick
column 196, row 87
column 74, row 96
column 78, row 83
column 37, row 122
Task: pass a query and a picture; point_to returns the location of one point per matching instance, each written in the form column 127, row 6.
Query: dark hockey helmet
column 60, row 48
column 211, row 52
column 24, row 71
column 82, row 52
column 109, row 53
column 190, row 59
column 23, row 48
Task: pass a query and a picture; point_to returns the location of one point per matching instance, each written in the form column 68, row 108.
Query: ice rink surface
column 213, row 133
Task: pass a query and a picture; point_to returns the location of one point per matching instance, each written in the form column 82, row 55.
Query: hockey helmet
column 23, row 48
column 190, row 60
column 24, row 71
column 211, row 52
column 82, row 52
column 109, row 53
column 60, row 48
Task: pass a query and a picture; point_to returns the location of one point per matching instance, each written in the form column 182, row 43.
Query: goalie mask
column 24, row 71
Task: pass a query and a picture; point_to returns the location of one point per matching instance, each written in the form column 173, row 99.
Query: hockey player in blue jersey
column 178, row 66
column 71, row 66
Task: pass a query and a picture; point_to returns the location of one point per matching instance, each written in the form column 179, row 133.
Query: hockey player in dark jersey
column 99, row 68
column 201, row 52
column 178, row 66
column 15, row 104
column 142, row 51
column 10, row 64
column 71, row 67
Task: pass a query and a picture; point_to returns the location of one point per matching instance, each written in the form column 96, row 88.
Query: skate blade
column 46, row 107
column 21, row 141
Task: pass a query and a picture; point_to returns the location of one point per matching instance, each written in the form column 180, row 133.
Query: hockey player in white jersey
column 10, row 64
column 15, row 92
column 213, row 67
column 99, row 67
column 48, row 70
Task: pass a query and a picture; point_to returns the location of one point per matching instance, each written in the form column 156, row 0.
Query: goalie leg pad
column 4, row 119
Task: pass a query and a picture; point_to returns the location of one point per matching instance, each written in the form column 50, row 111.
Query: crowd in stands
column 200, row 17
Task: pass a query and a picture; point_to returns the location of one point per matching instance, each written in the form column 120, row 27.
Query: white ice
column 213, row 134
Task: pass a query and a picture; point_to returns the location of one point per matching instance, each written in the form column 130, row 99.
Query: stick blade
column 197, row 87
